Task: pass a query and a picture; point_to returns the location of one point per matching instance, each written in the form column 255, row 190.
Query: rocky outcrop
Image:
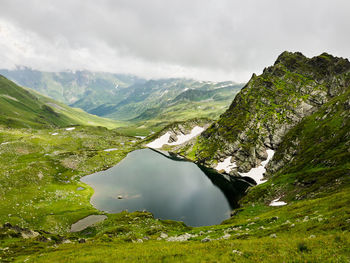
column 270, row 105
column 177, row 129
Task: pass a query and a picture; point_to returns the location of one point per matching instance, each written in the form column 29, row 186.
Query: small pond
column 167, row 186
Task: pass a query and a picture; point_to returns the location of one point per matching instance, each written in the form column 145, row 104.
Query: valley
column 140, row 106
column 293, row 121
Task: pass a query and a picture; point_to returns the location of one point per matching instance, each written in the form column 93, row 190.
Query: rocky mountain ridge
column 269, row 106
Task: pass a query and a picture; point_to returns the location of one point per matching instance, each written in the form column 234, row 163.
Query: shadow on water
column 234, row 188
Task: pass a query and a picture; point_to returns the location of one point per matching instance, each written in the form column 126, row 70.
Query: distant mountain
column 91, row 89
column 148, row 100
column 128, row 98
column 20, row 107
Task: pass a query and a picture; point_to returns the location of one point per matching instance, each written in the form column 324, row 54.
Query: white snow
column 186, row 137
column 165, row 92
column 258, row 173
column 277, row 203
column 226, row 165
column 55, row 133
column 70, row 129
column 5, row 143
column 110, row 150
column 141, row 137
column 158, row 143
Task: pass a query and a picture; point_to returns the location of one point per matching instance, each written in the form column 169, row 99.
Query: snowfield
column 158, row 143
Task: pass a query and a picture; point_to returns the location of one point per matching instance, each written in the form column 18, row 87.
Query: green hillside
column 299, row 107
column 84, row 88
column 149, row 100
column 21, row 107
column 146, row 106
column 270, row 105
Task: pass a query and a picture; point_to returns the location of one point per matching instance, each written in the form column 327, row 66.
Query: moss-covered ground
column 40, row 172
column 40, row 190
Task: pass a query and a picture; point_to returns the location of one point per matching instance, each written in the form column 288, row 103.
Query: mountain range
column 145, row 104
column 20, row 107
column 298, row 108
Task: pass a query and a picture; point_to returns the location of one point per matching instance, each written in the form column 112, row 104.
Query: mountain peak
column 288, row 58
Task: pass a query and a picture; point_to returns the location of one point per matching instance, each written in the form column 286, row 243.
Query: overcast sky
column 202, row 39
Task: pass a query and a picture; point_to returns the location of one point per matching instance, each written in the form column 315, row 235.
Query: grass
column 40, row 173
column 281, row 249
column 39, row 180
column 180, row 112
column 44, row 195
column 25, row 108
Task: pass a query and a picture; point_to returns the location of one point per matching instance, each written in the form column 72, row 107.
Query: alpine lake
column 168, row 186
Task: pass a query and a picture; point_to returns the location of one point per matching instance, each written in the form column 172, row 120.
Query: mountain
column 20, row 107
column 299, row 108
column 158, row 103
column 181, row 100
column 82, row 89
column 146, row 106
column 270, row 105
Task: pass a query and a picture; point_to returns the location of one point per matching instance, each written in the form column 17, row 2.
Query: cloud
column 217, row 40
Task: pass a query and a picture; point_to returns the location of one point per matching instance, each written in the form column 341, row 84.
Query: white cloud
column 217, row 40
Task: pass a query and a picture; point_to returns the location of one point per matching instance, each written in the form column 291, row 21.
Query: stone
column 172, row 138
column 237, row 252
column 226, row 236
column 7, row 225
column 181, row 238
column 205, row 240
column 273, row 235
column 163, row 235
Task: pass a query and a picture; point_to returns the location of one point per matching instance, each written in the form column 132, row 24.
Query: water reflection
column 166, row 185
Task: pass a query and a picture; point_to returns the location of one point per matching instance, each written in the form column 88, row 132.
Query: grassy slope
column 182, row 111
column 303, row 231
column 270, row 100
column 313, row 227
column 39, row 173
column 86, row 89
column 79, row 116
column 21, row 107
column 310, row 229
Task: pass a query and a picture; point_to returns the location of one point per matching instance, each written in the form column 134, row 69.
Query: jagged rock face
column 320, row 140
column 270, row 105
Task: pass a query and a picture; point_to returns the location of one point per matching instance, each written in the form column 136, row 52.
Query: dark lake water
column 168, row 187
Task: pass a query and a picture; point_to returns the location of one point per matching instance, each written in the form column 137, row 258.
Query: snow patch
column 141, row 137
column 4, row 143
column 55, row 133
column 158, row 143
column 258, row 173
column 110, row 150
column 276, row 202
column 226, row 165
column 186, row 137
column 70, row 129
column 165, row 92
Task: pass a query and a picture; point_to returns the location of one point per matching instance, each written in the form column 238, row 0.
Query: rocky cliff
column 269, row 106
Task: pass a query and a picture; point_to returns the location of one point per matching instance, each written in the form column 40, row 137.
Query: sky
column 202, row 39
